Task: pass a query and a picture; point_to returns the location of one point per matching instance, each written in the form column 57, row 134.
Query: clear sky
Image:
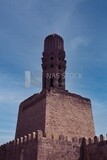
column 23, row 26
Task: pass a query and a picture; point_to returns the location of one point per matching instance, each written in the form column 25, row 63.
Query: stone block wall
column 68, row 114
column 96, row 149
column 31, row 116
column 37, row 146
column 23, row 148
column 60, row 149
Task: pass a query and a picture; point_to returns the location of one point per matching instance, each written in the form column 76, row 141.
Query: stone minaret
column 55, row 110
column 53, row 63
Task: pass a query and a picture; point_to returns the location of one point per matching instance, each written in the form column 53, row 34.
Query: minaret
column 55, row 111
column 53, row 63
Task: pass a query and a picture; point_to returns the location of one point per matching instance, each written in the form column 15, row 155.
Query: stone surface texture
column 67, row 113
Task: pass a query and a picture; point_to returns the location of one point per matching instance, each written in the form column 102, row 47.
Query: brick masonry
column 36, row 146
column 31, row 116
column 68, row 114
column 96, row 149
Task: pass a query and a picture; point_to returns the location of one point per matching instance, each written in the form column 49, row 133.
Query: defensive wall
column 36, row 146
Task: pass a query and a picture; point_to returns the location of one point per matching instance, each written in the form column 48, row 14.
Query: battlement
column 40, row 135
column 96, row 140
column 95, row 149
column 39, row 145
column 50, row 145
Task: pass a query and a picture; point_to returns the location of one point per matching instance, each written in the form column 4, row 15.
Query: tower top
column 53, row 42
column 53, row 62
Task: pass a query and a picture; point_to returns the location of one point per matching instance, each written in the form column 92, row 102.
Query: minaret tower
column 54, row 110
column 53, row 63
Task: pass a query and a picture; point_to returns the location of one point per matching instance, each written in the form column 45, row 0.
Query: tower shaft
column 53, row 63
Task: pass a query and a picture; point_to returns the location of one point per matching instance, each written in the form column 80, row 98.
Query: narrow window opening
column 59, row 82
column 51, row 82
column 59, row 67
column 51, row 65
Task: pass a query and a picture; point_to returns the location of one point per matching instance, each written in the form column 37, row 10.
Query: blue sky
column 23, row 27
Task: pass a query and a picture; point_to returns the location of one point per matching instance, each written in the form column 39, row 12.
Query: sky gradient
column 23, row 27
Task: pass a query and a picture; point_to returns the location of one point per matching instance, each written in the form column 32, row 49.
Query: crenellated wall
column 37, row 146
column 96, row 149
column 21, row 148
column 58, row 149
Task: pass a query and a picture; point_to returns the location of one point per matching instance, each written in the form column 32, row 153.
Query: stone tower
column 55, row 110
column 53, row 63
